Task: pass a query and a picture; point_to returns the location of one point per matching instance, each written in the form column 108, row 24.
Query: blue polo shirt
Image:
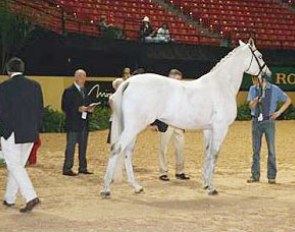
column 277, row 95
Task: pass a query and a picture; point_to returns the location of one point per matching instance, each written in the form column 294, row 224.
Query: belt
column 265, row 118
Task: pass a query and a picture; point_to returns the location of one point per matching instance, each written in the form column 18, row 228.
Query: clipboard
column 94, row 104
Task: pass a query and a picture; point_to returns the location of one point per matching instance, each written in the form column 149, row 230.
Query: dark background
column 58, row 55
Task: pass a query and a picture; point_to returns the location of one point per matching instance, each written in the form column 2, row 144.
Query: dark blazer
column 72, row 99
column 21, row 109
column 146, row 31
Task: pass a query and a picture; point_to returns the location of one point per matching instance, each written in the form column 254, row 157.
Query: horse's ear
column 251, row 43
column 241, row 43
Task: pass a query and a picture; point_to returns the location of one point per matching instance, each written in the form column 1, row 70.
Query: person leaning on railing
column 109, row 31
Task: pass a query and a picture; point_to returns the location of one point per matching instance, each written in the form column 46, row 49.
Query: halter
column 261, row 67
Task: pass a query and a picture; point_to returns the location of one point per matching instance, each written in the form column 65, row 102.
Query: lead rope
column 261, row 96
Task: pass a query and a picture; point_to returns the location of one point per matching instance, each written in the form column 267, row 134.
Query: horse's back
column 152, row 96
column 147, row 90
column 184, row 104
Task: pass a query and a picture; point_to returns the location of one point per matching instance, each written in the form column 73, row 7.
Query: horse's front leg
column 208, row 162
column 213, row 141
column 209, row 166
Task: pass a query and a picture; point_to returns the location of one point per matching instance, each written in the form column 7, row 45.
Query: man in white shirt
column 177, row 137
column 21, row 114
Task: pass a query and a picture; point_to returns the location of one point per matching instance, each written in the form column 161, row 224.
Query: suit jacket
column 21, row 109
column 146, row 31
column 72, row 99
column 162, row 126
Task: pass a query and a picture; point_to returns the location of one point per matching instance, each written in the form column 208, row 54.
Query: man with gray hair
column 75, row 104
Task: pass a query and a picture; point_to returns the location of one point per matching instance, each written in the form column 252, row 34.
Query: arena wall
column 53, row 87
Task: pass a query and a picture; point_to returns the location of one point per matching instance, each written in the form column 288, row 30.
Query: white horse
column 208, row 103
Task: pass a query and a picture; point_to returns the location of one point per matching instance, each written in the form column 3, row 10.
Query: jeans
column 266, row 127
column 73, row 138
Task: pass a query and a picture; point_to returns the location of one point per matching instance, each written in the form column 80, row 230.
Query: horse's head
column 254, row 64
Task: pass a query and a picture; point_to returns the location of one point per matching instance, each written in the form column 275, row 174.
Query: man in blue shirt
column 263, row 103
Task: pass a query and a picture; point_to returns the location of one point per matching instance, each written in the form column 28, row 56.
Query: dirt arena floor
column 73, row 203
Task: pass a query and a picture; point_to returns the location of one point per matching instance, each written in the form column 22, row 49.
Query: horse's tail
column 116, row 131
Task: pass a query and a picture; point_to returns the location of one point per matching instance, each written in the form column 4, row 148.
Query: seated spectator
column 146, row 30
column 109, row 30
column 162, row 35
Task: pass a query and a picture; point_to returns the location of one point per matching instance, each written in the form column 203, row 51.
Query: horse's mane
column 225, row 58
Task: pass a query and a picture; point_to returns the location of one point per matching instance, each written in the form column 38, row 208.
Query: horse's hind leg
column 213, row 141
column 106, row 191
column 129, row 168
column 127, row 137
column 127, row 142
column 207, row 161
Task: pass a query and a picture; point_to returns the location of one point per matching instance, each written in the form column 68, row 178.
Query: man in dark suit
column 21, row 113
column 75, row 105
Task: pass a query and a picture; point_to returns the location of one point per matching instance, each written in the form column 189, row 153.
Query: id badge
column 260, row 118
column 84, row 115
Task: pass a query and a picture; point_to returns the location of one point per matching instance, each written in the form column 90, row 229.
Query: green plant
column 99, row 119
column 12, row 34
column 2, row 163
column 53, row 120
column 289, row 114
column 15, row 33
column 244, row 113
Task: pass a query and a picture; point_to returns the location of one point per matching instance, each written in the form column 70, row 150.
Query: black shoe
column 7, row 204
column 30, row 205
column 69, row 173
column 86, row 172
column 164, row 178
column 272, row 181
column 253, row 179
column 182, row 176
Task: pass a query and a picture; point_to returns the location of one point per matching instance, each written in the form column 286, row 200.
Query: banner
column 99, row 91
column 284, row 77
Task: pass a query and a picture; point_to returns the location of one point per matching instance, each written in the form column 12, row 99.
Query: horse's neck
column 232, row 72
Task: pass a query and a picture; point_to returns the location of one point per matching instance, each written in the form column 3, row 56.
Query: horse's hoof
column 105, row 195
column 139, row 190
column 213, row 192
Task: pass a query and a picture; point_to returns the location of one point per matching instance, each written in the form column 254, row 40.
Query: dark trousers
column 72, row 139
column 266, row 127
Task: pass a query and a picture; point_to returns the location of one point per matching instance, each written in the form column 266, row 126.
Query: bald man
column 75, row 106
